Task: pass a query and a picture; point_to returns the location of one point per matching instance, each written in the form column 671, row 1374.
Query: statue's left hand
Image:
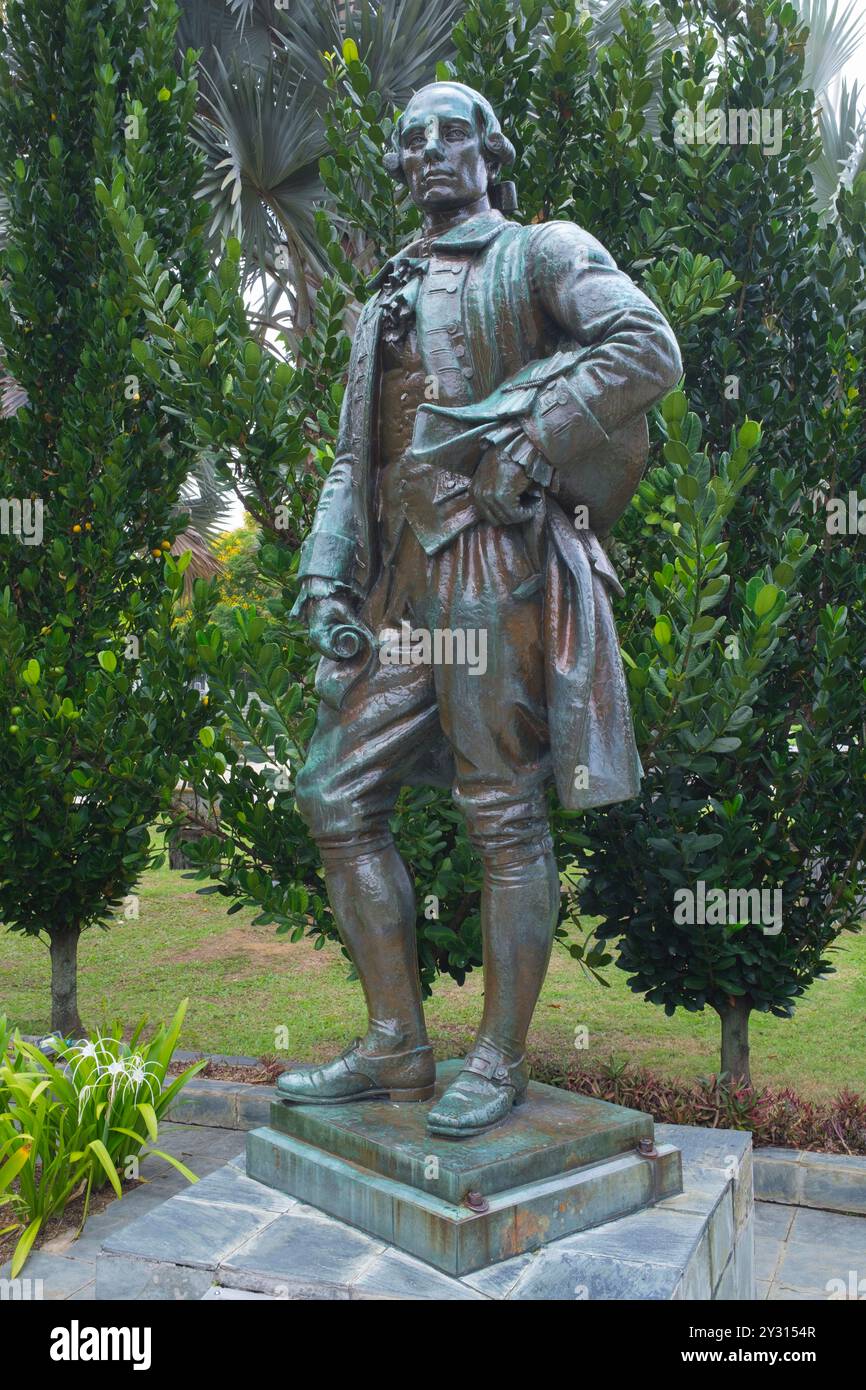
column 500, row 488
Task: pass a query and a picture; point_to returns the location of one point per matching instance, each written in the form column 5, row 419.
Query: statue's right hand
column 323, row 616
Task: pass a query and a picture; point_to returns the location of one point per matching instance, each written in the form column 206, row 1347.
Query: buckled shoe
column 481, row 1095
column 357, row 1075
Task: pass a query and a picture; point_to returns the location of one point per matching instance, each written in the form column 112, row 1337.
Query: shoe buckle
column 488, row 1068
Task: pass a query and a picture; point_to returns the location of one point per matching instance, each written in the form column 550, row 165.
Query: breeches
column 475, row 715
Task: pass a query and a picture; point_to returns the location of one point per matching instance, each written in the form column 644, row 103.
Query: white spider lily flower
column 114, row 1075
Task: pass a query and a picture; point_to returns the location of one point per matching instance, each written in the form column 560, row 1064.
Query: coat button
column 468, row 371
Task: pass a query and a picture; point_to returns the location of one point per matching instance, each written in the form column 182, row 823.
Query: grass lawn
column 244, row 982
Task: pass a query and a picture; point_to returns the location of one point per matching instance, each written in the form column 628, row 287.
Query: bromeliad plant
column 72, row 1123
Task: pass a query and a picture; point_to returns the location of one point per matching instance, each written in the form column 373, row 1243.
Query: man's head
column 448, row 147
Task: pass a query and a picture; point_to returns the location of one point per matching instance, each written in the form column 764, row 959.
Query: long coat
column 555, row 339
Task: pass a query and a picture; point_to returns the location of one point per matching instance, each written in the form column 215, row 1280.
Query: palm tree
column 260, row 122
column 835, row 37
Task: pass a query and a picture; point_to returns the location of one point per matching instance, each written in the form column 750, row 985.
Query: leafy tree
column 96, row 706
column 240, row 586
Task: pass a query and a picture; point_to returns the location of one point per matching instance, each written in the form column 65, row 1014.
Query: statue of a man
column 493, row 425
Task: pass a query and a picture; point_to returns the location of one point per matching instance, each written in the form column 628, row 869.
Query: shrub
column 775, row 1117
column 72, row 1124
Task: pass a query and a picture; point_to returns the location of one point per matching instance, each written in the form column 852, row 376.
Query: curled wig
column 498, row 149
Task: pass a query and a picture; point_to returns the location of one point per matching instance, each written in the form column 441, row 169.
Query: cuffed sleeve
column 312, row 588
column 512, row 439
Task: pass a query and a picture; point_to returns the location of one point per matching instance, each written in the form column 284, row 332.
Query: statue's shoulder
column 564, row 245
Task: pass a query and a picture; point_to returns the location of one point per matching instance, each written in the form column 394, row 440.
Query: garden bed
column 775, row 1117
column 60, row 1229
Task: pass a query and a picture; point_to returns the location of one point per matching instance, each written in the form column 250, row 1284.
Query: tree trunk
column 64, row 982
column 735, row 1038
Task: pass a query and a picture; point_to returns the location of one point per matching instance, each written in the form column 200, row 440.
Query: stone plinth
column 562, row 1163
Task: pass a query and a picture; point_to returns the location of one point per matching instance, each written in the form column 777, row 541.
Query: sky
column 855, row 71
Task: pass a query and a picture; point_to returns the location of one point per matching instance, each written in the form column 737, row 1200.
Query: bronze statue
column 493, row 426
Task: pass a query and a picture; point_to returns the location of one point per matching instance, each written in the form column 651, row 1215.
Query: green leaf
column 674, row 407
column 12, row 1167
column 765, row 600
column 22, row 1249
column 148, row 1114
column 175, row 1163
column 108, row 661
column 97, row 1147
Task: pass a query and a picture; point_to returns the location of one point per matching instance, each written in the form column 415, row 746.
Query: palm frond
column 207, row 499
column 262, row 141
column 203, row 563
column 212, row 29
column 842, row 124
column 836, row 32
column 401, row 41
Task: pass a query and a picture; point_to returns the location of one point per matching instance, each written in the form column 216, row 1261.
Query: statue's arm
column 327, row 555
column 631, row 357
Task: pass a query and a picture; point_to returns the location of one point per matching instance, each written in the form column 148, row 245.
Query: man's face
column 441, row 150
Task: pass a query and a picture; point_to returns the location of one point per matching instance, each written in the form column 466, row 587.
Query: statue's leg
column 519, row 911
column 373, row 902
column 495, row 720
column 359, row 755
